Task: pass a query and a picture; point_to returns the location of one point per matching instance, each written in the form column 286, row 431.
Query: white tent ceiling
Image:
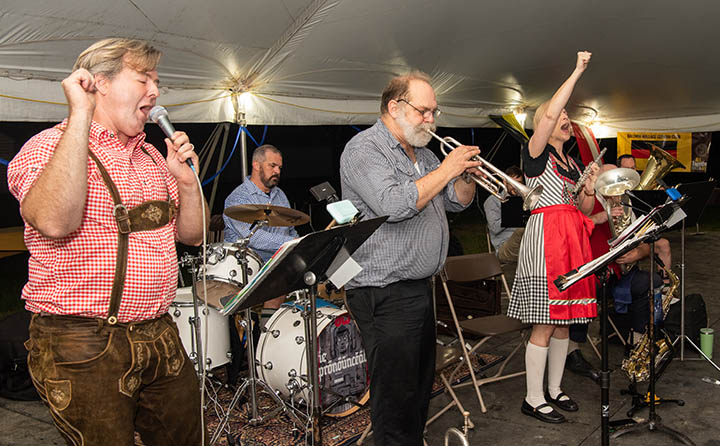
column 308, row 62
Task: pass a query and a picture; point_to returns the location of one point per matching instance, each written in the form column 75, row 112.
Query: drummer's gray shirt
column 379, row 178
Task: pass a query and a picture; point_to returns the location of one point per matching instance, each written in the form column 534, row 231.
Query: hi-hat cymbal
column 275, row 215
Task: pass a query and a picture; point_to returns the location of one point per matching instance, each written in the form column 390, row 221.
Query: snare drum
column 218, row 342
column 224, row 271
column 341, row 359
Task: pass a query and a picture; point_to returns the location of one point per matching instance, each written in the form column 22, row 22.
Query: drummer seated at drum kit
column 261, row 188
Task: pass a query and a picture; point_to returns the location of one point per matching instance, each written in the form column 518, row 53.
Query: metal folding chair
column 469, row 268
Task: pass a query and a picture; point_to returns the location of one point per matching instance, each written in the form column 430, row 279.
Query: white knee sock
column 557, row 353
column 535, row 360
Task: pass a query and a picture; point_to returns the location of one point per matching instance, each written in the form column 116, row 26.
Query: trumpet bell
column 615, row 182
column 530, row 196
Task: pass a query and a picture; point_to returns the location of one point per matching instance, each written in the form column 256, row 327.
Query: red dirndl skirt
column 566, row 233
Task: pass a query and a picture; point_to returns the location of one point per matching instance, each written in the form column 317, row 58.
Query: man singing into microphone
column 103, row 210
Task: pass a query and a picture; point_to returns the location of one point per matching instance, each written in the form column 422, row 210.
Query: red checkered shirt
column 73, row 275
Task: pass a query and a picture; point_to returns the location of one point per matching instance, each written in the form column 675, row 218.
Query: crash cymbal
column 275, row 215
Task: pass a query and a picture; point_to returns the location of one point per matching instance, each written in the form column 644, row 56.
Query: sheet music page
column 252, row 284
column 631, row 229
column 589, row 267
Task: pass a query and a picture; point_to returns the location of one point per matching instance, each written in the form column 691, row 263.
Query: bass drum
column 218, row 342
column 343, row 373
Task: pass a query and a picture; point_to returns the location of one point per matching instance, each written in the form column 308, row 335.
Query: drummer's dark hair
column 259, row 153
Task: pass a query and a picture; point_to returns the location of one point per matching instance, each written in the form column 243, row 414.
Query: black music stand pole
column 603, row 275
column 653, row 422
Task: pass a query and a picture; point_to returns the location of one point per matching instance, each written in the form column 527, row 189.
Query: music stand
column 645, row 229
column 700, row 192
column 301, row 264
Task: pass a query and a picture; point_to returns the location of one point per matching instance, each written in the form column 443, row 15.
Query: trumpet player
column 556, row 240
column 387, row 170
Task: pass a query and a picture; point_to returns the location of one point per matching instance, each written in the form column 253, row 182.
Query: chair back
column 471, row 267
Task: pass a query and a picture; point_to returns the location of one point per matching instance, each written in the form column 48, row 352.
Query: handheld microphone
column 159, row 116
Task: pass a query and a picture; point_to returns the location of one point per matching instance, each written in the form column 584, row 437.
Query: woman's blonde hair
column 109, row 56
column 539, row 112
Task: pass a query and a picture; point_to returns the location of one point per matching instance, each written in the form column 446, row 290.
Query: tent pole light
column 520, row 115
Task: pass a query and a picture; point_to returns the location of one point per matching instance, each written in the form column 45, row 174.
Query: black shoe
column 576, row 363
column 551, row 417
column 567, row 405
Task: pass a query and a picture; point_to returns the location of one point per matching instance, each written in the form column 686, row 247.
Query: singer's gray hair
column 259, row 153
column 109, row 56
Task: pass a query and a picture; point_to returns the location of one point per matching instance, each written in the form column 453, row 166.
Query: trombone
column 491, row 182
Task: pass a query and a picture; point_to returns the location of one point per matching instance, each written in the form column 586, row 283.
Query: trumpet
column 491, row 182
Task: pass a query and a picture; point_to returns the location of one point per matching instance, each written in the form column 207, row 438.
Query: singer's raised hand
column 179, row 150
column 79, row 90
column 583, row 59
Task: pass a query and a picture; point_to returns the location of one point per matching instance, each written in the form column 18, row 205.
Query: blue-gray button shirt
column 379, row 178
column 267, row 239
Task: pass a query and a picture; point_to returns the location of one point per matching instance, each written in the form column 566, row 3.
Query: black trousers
column 397, row 324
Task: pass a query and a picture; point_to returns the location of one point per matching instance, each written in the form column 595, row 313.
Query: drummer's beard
column 270, row 181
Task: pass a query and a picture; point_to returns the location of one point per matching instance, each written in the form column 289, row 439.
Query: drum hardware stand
column 195, row 354
column 252, row 381
column 300, row 264
column 653, row 422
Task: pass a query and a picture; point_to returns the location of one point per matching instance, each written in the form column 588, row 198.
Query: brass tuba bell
column 659, row 164
column 612, row 185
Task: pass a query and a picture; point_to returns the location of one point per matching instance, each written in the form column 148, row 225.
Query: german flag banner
column 637, row 144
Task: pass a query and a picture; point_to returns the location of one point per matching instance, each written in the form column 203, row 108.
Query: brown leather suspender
column 147, row 216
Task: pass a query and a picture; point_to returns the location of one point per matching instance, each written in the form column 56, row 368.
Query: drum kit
column 280, row 364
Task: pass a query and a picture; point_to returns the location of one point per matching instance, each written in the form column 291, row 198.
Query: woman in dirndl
column 556, row 241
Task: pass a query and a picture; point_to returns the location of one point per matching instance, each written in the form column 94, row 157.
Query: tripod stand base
column 253, row 418
column 653, row 425
column 640, row 402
